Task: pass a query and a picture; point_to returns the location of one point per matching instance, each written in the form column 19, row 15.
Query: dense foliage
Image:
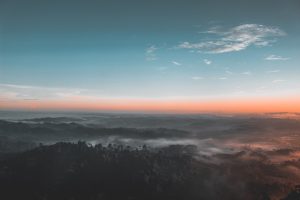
column 79, row 171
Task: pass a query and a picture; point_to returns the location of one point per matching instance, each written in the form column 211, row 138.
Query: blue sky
column 149, row 49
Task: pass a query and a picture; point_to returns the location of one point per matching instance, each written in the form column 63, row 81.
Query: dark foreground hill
column 79, row 171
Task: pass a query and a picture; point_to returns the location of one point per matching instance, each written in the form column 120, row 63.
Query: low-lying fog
column 259, row 148
column 210, row 133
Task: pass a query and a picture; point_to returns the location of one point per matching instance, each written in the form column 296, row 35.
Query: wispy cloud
column 176, row 63
column 278, row 81
column 236, row 39
column 196, row 78
column 223, row 78
column 229, row 72
column 150, row 53
column 246, row 73
column 27, row 92
column 275, row 57
column 261, row 89
column 273, row 71
column 206, row 61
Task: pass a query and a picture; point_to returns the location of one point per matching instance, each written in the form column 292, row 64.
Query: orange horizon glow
column 242, row 105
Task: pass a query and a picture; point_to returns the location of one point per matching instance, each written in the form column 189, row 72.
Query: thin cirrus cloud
column 206, row 61
column 235, row 39
column 278, row 81
column 196, row 78
column 247, row 73
column 275, row 57
column 273, row 71
column 26, row 92
column 229, row 72
column 176, row 63
column 151, row 53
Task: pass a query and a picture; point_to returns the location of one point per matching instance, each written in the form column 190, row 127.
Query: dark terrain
column 150, row 157
column 79, row 171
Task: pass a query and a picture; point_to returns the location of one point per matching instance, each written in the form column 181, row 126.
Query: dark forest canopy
column 80, row 171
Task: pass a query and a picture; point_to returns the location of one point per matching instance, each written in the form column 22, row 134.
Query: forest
column 82, row 171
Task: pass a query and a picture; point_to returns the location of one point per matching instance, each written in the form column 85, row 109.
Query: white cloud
column 275, row 57
column 150, row 53
column 261, row 89
column 236, row 39
column 176, row 63
column 278, row 81
column 26, row 92
column 246, row 73
column 206, row 61
column 273, row 71
column 229, row 72
column 222, row 78
column 213, row 30
column 196, row 78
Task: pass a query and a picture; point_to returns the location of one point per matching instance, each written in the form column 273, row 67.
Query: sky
column 159, row 55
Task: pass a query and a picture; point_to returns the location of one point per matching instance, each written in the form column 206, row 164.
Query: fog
column 239, row 149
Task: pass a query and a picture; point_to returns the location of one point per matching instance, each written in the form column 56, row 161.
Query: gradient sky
column 98, row 54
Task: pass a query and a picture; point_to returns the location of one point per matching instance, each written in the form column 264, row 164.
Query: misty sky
column 53, row 50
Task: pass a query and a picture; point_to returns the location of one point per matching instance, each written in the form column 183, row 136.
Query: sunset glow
column 169, row 58
column 150, row 99
column 161, row 106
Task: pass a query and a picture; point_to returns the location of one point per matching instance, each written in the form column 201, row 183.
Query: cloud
column 206, row 61
column 262, row 87
column 27, row 92
column 229, row 72
column 246, row 73
column 275, row 57
column 150, row 53
column 278, row 81
column 273, row 71
column 176, row 63
column 222, row 78
column 196, row 78
column 236, row 39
